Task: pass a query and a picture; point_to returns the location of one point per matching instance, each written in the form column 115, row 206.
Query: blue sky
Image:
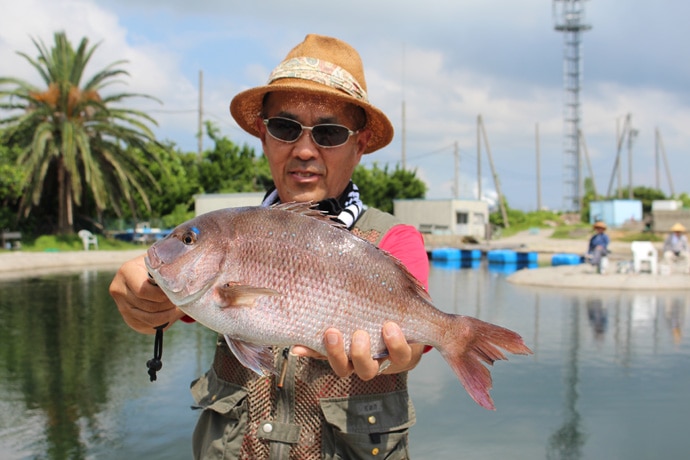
column 449, row 61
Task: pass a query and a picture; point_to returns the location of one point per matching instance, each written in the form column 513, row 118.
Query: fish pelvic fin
column 258, row 358
column 239, row 295
column 469, row 344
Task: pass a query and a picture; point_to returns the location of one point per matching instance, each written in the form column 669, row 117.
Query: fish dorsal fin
column 416, row 286
column 240, row 295
column 309, row 209
column 258, row 358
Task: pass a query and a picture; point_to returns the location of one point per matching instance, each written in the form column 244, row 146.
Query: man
column 314, row 122
column 598, row 247
column 676, row 247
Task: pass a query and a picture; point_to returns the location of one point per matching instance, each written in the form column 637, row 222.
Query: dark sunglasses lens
column 330, row 135
column 284, row 129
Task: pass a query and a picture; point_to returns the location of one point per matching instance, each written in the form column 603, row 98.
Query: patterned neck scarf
column 346, row 208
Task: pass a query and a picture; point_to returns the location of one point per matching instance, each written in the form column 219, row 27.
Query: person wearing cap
column 315, row 123
column 598, row 247
column 676, row 247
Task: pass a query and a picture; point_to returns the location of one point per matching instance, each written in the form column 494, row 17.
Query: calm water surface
column 609, row 378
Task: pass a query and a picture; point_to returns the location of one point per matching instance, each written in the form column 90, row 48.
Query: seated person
column 676, row 247
column 598, row 247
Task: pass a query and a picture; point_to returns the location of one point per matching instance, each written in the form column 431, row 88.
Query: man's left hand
column 402, row 356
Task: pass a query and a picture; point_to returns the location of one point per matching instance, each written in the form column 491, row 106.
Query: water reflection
column 56, row 354
column 608, row 378
column 605, row 380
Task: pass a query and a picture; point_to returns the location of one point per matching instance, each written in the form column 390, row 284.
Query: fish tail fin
column 468, row 344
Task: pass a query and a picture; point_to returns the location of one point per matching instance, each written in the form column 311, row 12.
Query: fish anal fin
column 258, row 358
column 239, row 295
column 469, row 344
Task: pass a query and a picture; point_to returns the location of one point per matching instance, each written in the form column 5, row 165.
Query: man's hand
column 402, row 356
column 142, row 305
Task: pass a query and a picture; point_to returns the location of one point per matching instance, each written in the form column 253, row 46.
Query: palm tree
column 75, row 135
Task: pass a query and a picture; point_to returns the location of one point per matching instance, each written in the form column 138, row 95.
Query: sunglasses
column 325, row 135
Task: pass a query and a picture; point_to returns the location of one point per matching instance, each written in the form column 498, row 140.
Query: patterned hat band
column 323, row 72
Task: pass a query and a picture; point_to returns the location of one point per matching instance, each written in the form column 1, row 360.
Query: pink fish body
column 281, row 276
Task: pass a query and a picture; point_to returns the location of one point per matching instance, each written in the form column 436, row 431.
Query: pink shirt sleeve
column 406, row 244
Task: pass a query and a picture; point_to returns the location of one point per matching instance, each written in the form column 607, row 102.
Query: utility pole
column 536, row 140
column 404, row 128
column 501, row 201
column 479, row 159
column 200, row 130
column 456, row 153
column 660, row 149
column 632, row 134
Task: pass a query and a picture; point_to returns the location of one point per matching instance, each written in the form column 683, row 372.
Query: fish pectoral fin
column 258, row 358
column 240, row 295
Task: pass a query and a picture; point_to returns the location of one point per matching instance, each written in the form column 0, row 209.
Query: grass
column 54, row 243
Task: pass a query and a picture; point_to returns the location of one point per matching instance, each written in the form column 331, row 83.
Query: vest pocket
column 366, row 426
column 223, row 421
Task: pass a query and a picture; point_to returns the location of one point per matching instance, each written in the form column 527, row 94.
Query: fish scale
column 282, row 276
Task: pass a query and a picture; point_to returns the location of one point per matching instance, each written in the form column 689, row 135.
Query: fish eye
column 189, row 237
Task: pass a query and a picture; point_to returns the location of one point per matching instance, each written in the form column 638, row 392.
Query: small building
column 208, row 202
column 615, row 213
column 665, row 213
column 445, row 217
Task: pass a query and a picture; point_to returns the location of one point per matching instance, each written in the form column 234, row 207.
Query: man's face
column 302, row 170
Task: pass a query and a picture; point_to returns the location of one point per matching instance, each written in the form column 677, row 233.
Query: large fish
column 281, row 276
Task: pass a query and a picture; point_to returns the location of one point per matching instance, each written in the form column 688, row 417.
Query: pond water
column 609, row 378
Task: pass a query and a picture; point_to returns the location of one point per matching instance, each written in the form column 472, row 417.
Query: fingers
column 142, row 305
column 364, row 365
column 399, row 352
column 335, row 352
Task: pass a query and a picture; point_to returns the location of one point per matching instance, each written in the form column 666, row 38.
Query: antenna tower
column 569, row 18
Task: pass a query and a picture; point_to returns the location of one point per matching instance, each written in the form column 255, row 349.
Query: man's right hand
column 142, row 304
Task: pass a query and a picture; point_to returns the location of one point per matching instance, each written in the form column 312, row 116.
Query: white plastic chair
column 88, row 239
column 644, row 252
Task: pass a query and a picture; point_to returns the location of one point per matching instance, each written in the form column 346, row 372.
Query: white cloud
column 501, row 59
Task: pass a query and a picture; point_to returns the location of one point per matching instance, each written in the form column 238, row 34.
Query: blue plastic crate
column 445, row 254
column 566, row 259
column 502, row 256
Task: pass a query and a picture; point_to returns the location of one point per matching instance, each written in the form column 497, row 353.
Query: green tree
column 11, row 185
column 379, row 187
column 229, row 168
column 76, row 142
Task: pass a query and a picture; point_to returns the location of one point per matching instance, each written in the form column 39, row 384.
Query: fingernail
column 332, row 339
column 390, row 330
column 358, row 337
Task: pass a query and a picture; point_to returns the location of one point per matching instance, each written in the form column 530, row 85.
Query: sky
column 448, row 61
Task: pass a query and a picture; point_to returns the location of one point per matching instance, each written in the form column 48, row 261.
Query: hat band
column 323, row 72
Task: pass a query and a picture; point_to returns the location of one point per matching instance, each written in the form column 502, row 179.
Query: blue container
column 527, row 257
column 502, row 256
column 566, row 259
column 445, row 254
column 470, row 254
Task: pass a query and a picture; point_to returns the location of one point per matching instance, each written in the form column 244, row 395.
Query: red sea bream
column 281, row 276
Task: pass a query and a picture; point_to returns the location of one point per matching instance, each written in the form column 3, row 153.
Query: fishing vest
column 307, row 412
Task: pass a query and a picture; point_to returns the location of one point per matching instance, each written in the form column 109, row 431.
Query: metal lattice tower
column 569, row 17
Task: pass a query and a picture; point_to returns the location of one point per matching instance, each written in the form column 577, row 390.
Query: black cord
column 155, row 364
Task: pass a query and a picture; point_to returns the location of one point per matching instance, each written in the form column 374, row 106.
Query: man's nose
column 305, row 147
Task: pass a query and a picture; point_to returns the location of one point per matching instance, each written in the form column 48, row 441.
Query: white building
column 451, row 217
column 210, row 202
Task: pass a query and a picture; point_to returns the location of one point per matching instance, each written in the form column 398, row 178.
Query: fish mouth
column 177, row 291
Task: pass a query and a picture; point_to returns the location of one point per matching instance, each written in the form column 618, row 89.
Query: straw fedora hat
column 678, row 227
column 319, row 65
column 600, row 224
